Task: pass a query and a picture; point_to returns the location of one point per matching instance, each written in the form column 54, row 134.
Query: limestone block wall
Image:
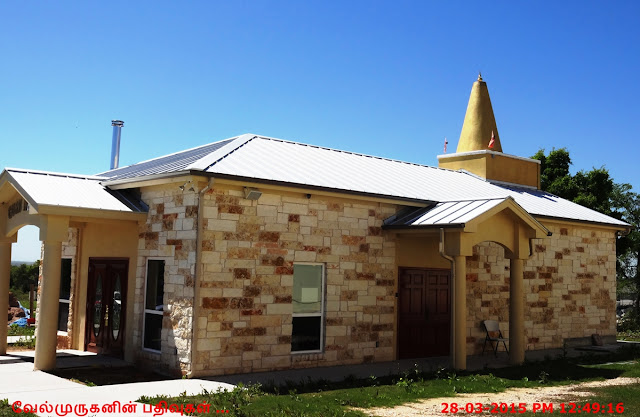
column 249, row 248
column 168, row 234
column 569, row 286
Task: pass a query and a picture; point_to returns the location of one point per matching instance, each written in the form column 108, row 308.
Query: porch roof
column 46, row 190
column 459, row 214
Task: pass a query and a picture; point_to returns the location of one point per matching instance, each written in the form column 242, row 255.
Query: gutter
column 424, row 226
column 196, row 282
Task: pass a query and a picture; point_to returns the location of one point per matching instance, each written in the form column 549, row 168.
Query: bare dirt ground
column 528, row 396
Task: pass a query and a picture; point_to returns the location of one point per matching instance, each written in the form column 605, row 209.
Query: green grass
column 6, row 410
column 15, row 330
column 23, row 297
column 321, row 398
column 629, row 335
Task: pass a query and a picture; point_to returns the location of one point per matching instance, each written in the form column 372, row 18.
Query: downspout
column 451, row 294
column 198, row 273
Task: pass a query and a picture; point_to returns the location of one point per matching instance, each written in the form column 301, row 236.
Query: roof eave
column 423, row 226
column 133, row 182
column 309, row 187
column 91, row 212
column 614, row 226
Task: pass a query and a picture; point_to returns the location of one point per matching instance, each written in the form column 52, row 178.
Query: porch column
column 460, row 313
column 516, row 313
column 5, row 275
column 47, row 330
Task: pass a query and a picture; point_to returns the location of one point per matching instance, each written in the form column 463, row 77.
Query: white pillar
column 516, row 313
column 47, row 330
column 5, row 275
column 459, row 324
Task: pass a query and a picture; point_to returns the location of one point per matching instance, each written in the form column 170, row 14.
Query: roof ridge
column 354, row 153
column 55, row 174
column 224, row 151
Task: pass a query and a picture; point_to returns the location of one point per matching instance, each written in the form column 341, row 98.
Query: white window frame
column 322, row 314
column 63, row 300
column 144, row 305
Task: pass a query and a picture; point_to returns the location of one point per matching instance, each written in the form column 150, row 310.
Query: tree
column 23, row 276
column 591, row 189
column 626, row 206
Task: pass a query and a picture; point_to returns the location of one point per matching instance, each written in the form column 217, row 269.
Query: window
column 153, row 305
column 65, row 294
column 308, row 308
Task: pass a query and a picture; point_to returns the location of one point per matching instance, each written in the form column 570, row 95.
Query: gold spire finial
column 479, row 125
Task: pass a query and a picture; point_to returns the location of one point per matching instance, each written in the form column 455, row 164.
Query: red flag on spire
column 492, row 141
column 445, row 145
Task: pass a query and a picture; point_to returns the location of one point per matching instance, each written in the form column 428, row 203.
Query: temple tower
column 479, row 148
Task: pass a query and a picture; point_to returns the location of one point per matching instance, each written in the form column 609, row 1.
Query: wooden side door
column 424, row 310
column 106, row 306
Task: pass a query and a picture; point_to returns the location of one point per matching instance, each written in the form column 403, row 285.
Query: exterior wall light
column 252, row 193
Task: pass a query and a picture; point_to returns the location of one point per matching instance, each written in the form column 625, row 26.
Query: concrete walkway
column 19, row 382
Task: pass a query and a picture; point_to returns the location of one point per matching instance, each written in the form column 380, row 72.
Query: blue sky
column 388, row 78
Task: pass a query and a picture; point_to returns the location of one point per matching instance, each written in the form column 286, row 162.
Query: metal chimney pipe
column 115, row 142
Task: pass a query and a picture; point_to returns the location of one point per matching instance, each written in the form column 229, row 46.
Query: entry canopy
column 66, row 194
column 461, row 214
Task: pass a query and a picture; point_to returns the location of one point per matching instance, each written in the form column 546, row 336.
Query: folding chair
column 494, row 335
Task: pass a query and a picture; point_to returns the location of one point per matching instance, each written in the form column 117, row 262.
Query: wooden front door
column 106, row 302
column 424, row 308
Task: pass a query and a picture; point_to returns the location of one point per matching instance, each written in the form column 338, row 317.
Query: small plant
column 15, row 330
column 6, row 409
column 27, row 343
column 405, row 383
column 543, row 378
column 440, row 373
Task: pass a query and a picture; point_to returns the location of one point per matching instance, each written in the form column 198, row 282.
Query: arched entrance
column 461, row 226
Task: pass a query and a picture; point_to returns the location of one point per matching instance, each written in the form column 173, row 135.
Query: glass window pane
column 117, row 308
column 65, row 279
column 152, row 331
column 155, row 285
column 307, row 288
column 63, row 316
column 305, row 334
column 97, row 307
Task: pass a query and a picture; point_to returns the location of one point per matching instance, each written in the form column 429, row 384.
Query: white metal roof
column 290, row 162
column 445, row 214
column 174, row 162
column 270, row 159
column 42, row 188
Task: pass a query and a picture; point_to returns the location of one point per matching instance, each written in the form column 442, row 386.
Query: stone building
column 255, row 254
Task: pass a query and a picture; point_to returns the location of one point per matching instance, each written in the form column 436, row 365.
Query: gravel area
column 528, row 396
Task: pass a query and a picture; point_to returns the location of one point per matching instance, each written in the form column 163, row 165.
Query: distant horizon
column 18, row 263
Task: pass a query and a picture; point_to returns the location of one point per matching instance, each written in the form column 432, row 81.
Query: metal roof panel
column 165, row 164
column 47, row 188
column 305, row 165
